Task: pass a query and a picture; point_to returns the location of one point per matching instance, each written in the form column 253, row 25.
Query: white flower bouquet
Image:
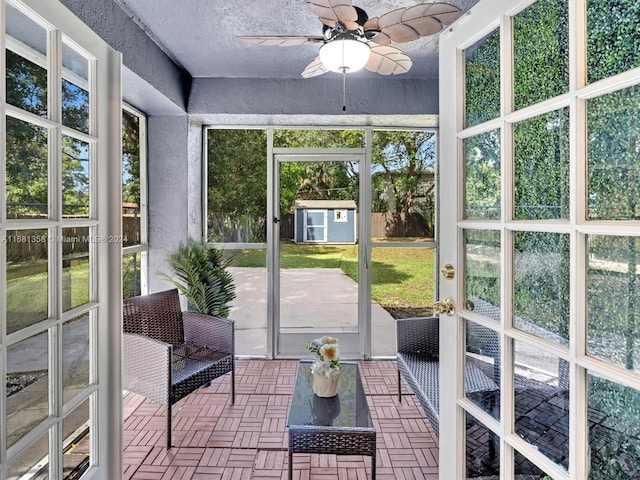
column 326, row 351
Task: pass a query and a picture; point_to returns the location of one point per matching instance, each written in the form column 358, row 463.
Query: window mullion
column 143, row 179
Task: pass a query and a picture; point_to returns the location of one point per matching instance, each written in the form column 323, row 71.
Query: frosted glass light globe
column 344, row 55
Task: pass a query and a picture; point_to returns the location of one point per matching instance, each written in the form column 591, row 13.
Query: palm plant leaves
column 200, row 274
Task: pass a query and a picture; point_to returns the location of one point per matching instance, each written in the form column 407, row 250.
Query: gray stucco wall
column 139, row 53
column 313, row 96
column 175, row 186
column 195, row 178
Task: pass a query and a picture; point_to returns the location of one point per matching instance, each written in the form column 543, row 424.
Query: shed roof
column 325, row 204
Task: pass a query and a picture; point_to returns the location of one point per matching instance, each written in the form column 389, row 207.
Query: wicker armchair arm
column 418, row 335
column 215, row 333
column 146, row 367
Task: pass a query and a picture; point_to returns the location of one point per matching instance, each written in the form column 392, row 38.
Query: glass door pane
column 26, row 63
column 27, row 170
column 318, row 274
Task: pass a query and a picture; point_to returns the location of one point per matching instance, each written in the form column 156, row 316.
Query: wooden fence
column 387, row 225
column 24, row 245
column 33, row 244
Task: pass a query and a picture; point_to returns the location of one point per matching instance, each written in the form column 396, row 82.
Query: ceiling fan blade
column 283, row 41
column 373, row 33
column 372, row 24
column 314, row 69
column 391, row 25
column 408, row 24
column 332, row 11
column 387, row 60
column 443, row 13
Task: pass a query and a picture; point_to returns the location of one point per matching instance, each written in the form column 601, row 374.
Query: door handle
column 444, row 306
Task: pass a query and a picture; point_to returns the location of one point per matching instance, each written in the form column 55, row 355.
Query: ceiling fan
column 351, row 40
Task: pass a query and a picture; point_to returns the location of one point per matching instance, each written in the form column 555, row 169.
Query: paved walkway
column 316, row 299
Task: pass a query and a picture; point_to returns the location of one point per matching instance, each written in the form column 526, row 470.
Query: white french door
column 60, row 249
column 540, row 219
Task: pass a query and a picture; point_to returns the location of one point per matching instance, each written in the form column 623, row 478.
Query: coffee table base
column 332, row 440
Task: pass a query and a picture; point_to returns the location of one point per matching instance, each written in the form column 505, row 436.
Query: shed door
column 315, row 226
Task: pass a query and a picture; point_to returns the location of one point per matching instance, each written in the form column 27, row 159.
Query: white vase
column 325, row 385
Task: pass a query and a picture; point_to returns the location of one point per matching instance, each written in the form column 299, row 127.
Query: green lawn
column 27, row 299
column 401, row 278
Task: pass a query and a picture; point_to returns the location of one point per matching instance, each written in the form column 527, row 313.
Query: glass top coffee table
column 340, row 425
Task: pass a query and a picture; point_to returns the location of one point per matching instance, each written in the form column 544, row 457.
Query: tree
column 26, row 144
column 26, row 84
column 406, row 162
column 237, row 185
column 75, row 106
column 27, row 169
column 27, row 154
column 75, row 177
column 130, row 158
column 298, row 138
column 318, row 180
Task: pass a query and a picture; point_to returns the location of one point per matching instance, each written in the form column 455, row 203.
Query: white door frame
column 355, row 345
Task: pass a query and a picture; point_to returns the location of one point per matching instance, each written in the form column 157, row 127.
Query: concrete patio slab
column 316, row 299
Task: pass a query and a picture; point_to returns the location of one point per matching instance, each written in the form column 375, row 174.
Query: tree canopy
column 27, row 145
column 403, row 164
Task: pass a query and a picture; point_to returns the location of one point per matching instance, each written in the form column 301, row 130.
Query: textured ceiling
column 200, row 35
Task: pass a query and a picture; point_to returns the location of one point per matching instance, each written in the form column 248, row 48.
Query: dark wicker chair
column 167, row 353
column 418, row 344
column 418, row 361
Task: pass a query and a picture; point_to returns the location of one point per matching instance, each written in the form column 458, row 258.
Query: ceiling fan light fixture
column 344, row 55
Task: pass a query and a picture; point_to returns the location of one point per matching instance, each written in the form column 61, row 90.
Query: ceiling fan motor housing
column 339, row 29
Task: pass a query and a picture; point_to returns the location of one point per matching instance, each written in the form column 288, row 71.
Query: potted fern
column 200, row 274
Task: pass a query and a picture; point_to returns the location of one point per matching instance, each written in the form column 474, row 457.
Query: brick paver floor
column 213, row 439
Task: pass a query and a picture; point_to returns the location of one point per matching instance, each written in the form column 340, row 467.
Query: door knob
column 448, row 271
column 444, row 306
